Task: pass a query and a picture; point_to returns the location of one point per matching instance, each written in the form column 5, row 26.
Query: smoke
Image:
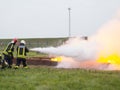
column 108, row 37
column 78, row 53
column 68, row 62
column 75, row 48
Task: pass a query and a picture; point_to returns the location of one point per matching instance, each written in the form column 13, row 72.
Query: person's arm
column 12, row 49
column 26, row 49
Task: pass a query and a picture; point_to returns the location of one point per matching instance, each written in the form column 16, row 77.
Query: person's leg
column 10, row 62
column 4, row 61
column 18, row 62
column 24, row 62
column 6, row 58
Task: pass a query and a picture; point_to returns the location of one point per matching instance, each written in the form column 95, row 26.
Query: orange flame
column 112, row 59
column 56, row 59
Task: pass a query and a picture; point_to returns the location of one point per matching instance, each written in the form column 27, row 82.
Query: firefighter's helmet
column 23, row 41
column 14, row 40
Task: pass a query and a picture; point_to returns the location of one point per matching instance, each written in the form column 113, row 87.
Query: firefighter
column 8, row 54
column 22, row 51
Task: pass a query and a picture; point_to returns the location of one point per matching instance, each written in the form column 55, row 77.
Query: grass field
column 49, row 78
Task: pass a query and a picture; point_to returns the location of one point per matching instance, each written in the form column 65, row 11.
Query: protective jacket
column 22, row 51
column 9, row 49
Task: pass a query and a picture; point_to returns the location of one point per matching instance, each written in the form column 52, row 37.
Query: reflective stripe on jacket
column 21, row 52
column 8, row 49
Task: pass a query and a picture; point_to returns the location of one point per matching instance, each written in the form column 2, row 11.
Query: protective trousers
column 23, row 60
column 8, row 59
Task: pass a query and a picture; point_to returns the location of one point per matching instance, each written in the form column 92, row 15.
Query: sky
column 50, row 18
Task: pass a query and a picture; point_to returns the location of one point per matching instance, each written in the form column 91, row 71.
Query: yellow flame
column 56, row 59
column 112, row 59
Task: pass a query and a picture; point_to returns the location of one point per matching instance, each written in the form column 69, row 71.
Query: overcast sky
column 49, row 18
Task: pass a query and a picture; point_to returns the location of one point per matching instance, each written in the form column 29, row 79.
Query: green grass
column 49, row 78
column 36, row 54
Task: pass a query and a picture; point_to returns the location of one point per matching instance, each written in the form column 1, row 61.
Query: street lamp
column 69, row 22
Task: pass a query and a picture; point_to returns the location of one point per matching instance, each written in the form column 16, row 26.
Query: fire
column 56, row 59
column 112, row 59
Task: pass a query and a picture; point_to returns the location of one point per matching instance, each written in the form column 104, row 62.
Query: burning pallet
column 40, row 61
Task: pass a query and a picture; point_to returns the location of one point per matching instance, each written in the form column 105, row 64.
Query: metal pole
column 69, row 22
